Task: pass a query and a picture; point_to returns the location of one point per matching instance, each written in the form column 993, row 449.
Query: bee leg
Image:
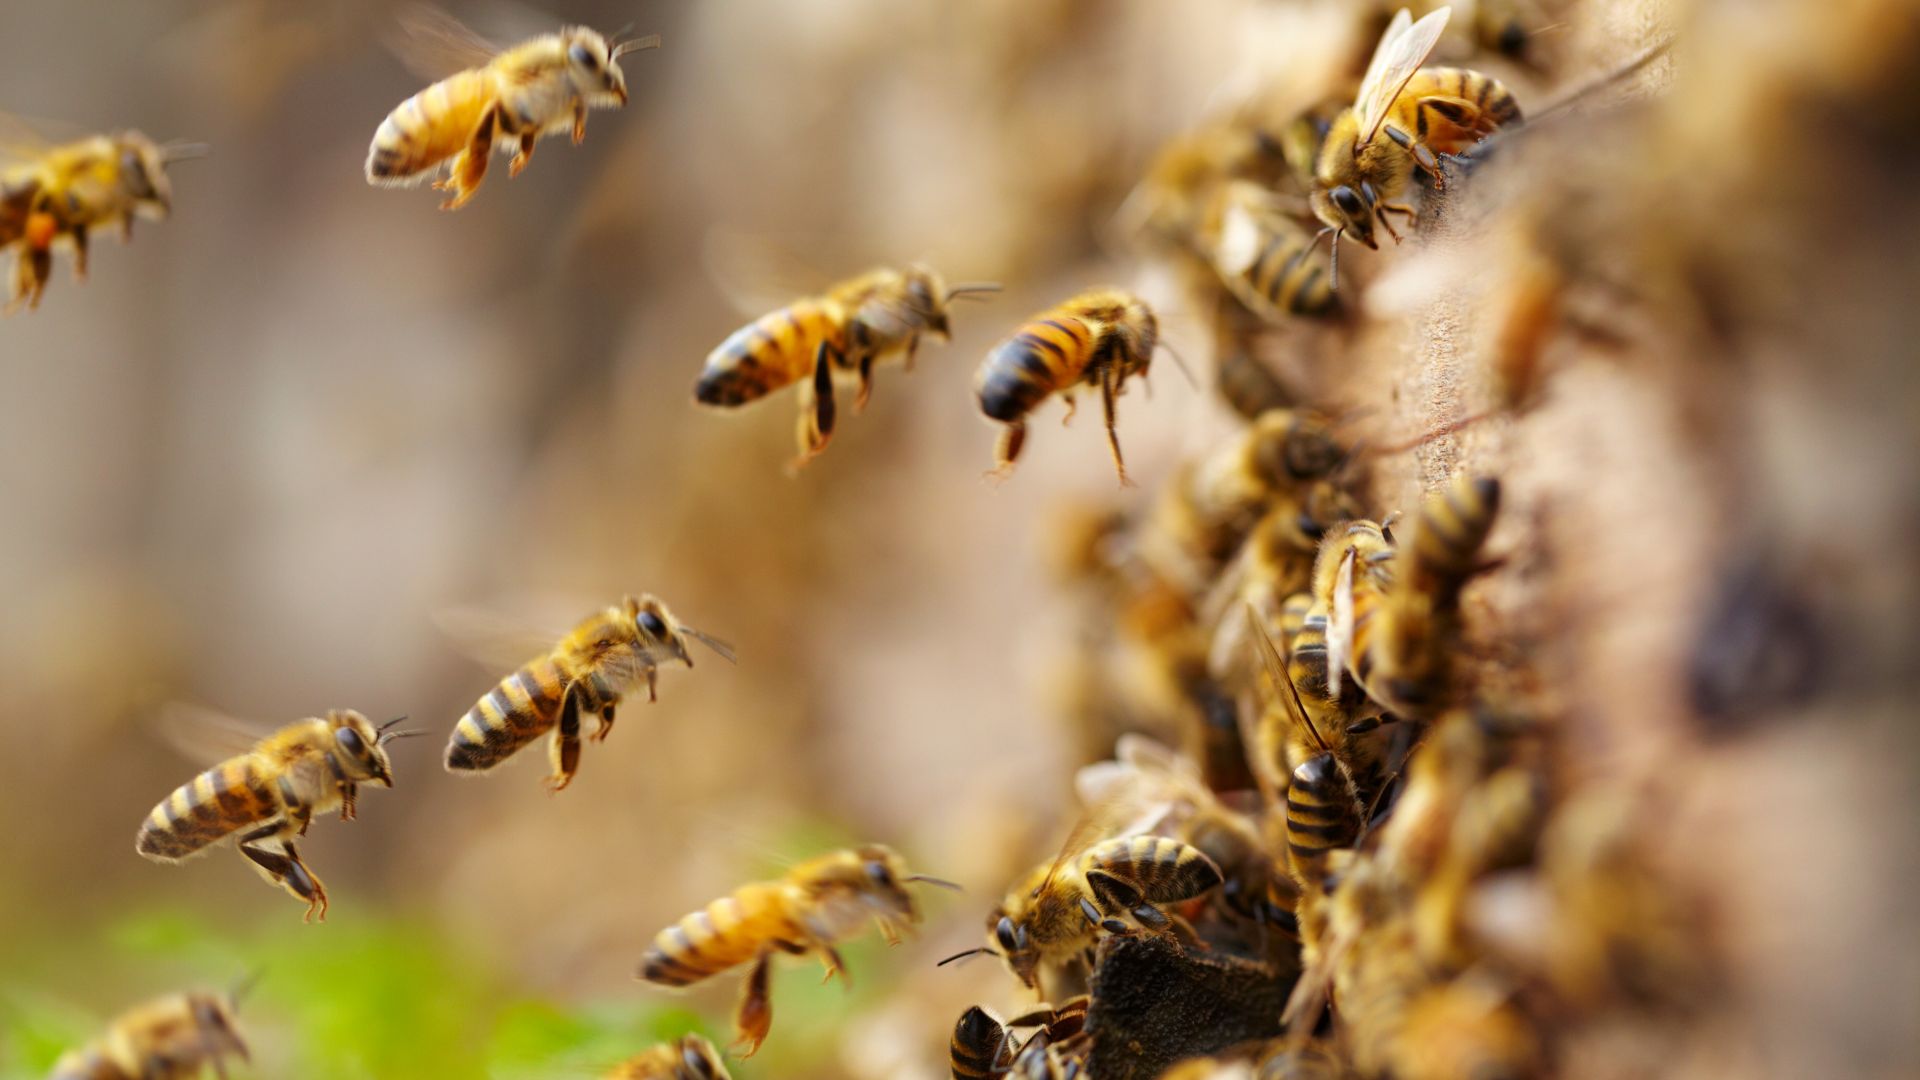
column 889, row 932
column 30, row 278
column 606, row 724
column 285, row 869
column 653, row 695
column 754, row 1016
column 470, row 165
column 80, row 253
column 348, row 792
column 1071, row 406
column 1412, row 216
column 816, row 407
column 865, row 391
column 519, row 161
column 579, row 121
column 1007, row 450
column 913, row 346
column 1423, row 155
column 830, row 956
column 563, row 751
column 1109, row 390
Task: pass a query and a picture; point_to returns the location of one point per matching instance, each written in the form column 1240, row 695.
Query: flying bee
column 597, row 664
column 541, row 86
column 1392, row 637
column 171, row 1038
column 818, row 903
column 274, row 791
column 845, row 332
column 61, row 194
column 1054, row 914
column 1265, row 257
column 690, row 1057
column 1427, row 115
column 1099, row 338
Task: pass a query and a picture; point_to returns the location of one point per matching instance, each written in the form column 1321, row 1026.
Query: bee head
column 1347, row 209
column 927, row 295
column 658, row 629
column 143, row 173
column 1014, row 944
column 700, row 1059
column 591, row 66
column 362, row 747
column 219, row 1032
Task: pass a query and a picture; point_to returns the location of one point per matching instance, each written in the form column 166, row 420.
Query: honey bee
column 845, row 331
column 1099, row 338
column 1392, row 636
column 1054, row 914
column 818, row 903
column 1248, row 386
column 691, row 1057
column 1266, row 258
column 171, row 1038
column 588, row 673
column 982, row 1046
column 274, row 791
column 1428, row 115
column 61, row 194
column 541, row 86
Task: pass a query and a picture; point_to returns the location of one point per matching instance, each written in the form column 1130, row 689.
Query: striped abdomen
column 726, row 933
column 1471, row 106
column 428, row 128
column 1454, row 523
column 979, row 1046
column 1161, row 869
column 771, row 352
column 1273, row 266
column 523, row 707
column 1046, row 356
column 88, row 1064
column 1322, row 814
column 225, row 799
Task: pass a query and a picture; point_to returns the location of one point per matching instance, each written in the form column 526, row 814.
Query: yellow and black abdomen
column 523, row 707
column 1454, row 523
column 1461, row 108
column 428, row 128
column 1045, row 356
column 979, row 1047
column 726, row 933
column 769, row 353
column 1322, row 814
column 223, row 800
column 1163, row 870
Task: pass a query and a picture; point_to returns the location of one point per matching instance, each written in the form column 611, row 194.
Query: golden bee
column 818, row 903
column 1055, row 914
column 59, row 195
column 1265, row 257
column 1100, row 338
column 273, row 792
column 1427, row 115
column 596, row 665
column 980, row 1047
column 176, row 1037
column 983, row 1046
column 844, row 332
column 512, row 97
column 691, row 1057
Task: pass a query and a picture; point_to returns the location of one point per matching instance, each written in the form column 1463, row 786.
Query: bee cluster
column 1335, row 728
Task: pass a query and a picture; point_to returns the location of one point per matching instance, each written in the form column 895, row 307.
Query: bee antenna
column 651, row 41
column 725, row 650
column 389, row 736
column 176, row 150
column 964, row 955
column 972, row 288
column 941, row 882
column 391, row 722
column 243, row 986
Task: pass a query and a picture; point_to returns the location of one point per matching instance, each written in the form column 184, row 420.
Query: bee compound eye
column 1009, row 940
column 350, row 741
column 879, row 873
column 652, row 624
column 583, row 56
column 1345, row 198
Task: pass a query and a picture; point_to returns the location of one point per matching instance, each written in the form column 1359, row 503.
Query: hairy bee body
column 1266, row 258
column 66, row 192
column 305, row 769
column 817, row 904
column 591, row 670
column 980, row 1047
column 1323, row 813
column 172, row 1038
column 1099, row 339
column 877, row 316
column 1055, row 913
column 541, row 86
column 691, row 1057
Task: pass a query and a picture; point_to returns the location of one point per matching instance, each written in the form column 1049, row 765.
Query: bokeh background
column 267, row 457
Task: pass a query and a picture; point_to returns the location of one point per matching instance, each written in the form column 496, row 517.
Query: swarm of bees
column 1336, row 836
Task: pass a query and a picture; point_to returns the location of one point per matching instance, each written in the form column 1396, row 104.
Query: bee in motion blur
column 274, row 792
column 818, row 903
column 691, row 1057
column 597, row 664
column 1427, row 116
column 171, row 1038
column 58, row 195
column 1100, row 338
column 843, row 332
column 1055, row 914
column 514, row 96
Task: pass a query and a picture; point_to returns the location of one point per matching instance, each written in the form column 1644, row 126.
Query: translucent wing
column 1283, row 687
column 1340, row 624
column 21, row 140
column 433, row 44
column 756, row 274
column 206, row 736
column 1114, row 815
column 488, row 634
column 1403, row 48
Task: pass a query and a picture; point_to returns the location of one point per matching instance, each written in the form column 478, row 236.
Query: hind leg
column 563, row 750
column 285, row 868
column 1006, row 451
column 469, row 166
column 1110, row 390
column 753, row 1017
column 79, row 234
column 816, row 407
column 519, row 160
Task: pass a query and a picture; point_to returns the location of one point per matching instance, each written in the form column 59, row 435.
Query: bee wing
column 1340, row 624
column 205, row 736
column 490, row 636
column 1402, row 49
column 21, row 139
column 755, row 274
column 433, row 44
column 1283, row 687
